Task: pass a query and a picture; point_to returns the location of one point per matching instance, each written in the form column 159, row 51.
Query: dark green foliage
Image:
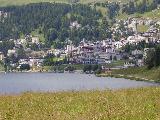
column 113, row 9
column 21, row 53
column 95, row 68
column 5, row 46
column 25, row 67
column 149, row 60
column 153, row 57
column 140, row 46
column 87, row 68
column 69, row 68
column 157, row 57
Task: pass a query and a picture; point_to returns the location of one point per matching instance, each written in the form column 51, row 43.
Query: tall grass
column 131, row 104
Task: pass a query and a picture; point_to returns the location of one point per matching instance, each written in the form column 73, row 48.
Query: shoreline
column 127, row 77
column 78, row 71
column 97, row 75
column 74, row 91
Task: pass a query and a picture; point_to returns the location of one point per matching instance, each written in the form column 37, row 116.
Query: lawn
column 142, row 28
column 130, row 104
column 140, row 72
column 62, row 67
column 36, row 33
column 1, row 67
column 155, row 14
column 116, row 63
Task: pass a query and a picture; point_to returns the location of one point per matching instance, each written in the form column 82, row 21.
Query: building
column 12, row 52
column 35, row 40
column 1, row 56
column 137, row 52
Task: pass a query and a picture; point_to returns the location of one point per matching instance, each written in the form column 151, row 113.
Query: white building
column 118, row 44
column 75, row 24
column 1, row 56
column 135, row 39
column 69, row 49
column 12, row 52
column 35, row 40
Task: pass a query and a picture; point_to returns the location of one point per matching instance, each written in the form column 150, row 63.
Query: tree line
column 153, row 57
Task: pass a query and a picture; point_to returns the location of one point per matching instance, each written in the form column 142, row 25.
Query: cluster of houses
column 3, row 15
column 88, row 52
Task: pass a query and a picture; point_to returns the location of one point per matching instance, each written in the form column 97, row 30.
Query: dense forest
column 53, row 21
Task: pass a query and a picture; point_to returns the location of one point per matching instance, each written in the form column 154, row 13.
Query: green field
column 116, row 63
column 153, row 15
column 1, row 67
column 131, row 104
column 143, row 72
column 62, row 67
column 142, row 28
column 36, row 33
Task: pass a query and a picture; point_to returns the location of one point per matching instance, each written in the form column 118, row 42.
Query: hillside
column 42, row 18
column 151, row 14
column 23, row 2
column 155, row 14
column 132, row 104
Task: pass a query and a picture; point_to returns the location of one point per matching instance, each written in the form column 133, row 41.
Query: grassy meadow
column 130, row 104
column 155, row 14
column 142, row 28
column 139, row 73
column 1, row 67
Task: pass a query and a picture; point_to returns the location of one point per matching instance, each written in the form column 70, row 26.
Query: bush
column 95, row 68
column 25, row 67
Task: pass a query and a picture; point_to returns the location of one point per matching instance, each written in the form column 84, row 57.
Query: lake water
column 13, row 83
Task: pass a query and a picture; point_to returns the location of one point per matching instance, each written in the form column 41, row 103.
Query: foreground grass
column 131, row 104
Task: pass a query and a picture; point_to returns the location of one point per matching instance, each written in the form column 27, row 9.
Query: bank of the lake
column 127, row 104
column 137, row 73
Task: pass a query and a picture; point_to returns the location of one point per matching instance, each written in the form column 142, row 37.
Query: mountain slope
column 23, row 2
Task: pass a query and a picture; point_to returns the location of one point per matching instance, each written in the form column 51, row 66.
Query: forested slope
column 53, row 20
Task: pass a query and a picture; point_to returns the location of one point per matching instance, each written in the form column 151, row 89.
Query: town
column 29, row 53
column 79, row 59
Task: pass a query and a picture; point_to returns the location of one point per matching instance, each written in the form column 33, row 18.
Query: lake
column 13, row 83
